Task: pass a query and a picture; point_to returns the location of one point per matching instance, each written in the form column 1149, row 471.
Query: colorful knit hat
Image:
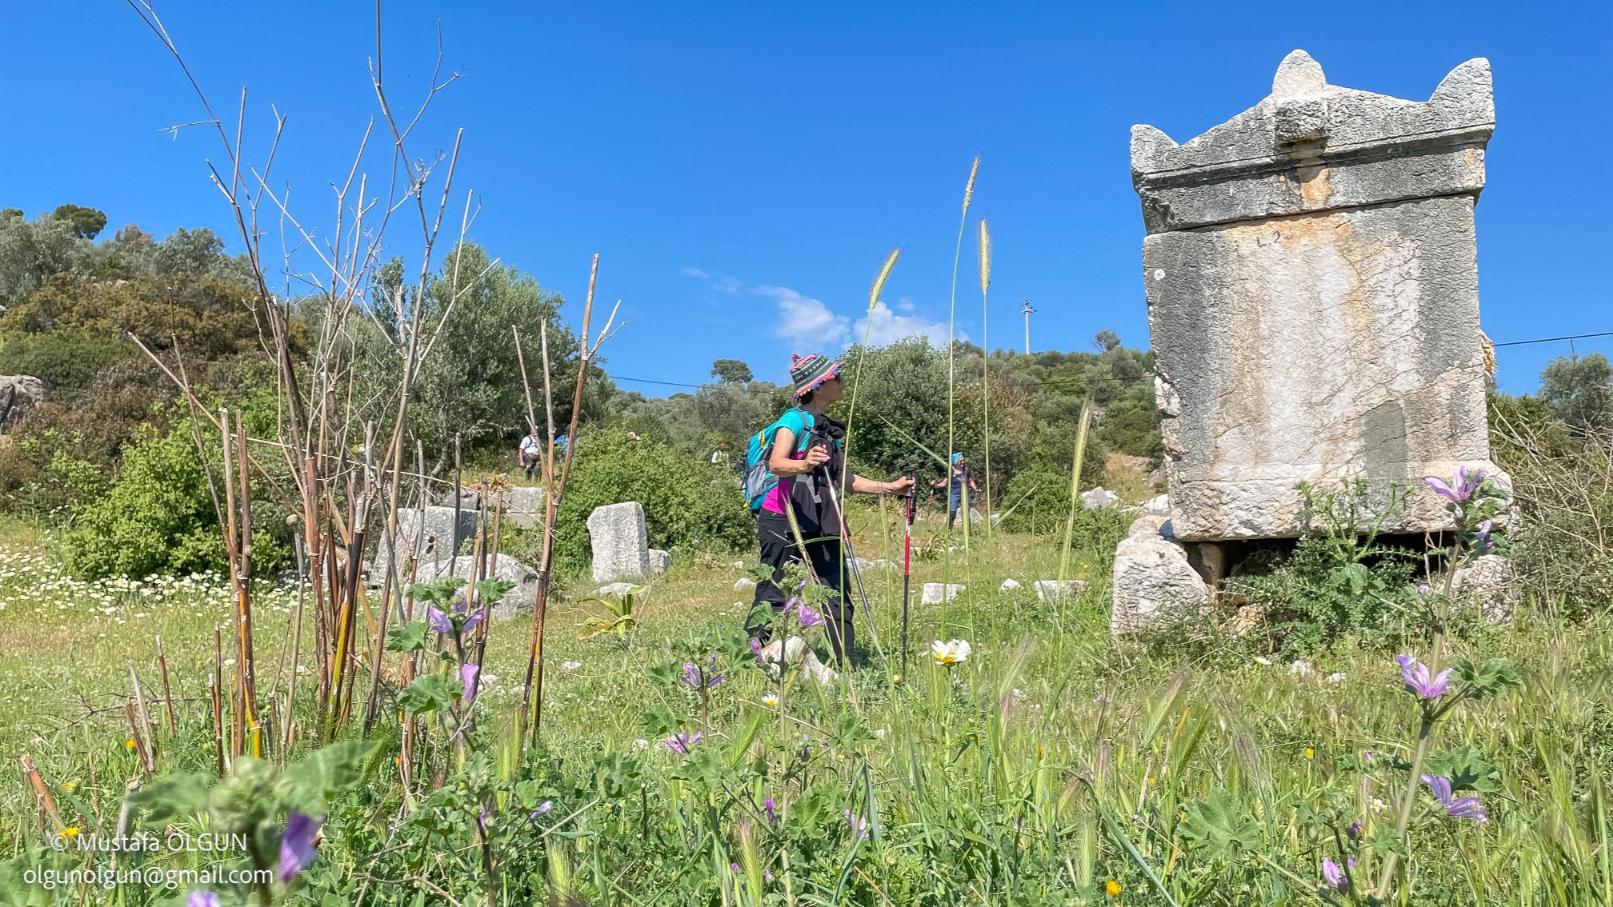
column 810, row 371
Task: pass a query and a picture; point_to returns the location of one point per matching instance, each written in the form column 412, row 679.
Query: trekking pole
column 851, row 555
column 907, row 568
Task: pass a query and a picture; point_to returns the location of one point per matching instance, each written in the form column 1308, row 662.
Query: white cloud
column 885, row 327
column 805, row 321
column 719, row 282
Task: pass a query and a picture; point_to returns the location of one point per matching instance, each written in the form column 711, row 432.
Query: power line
column 1556, row 339
column 1069, row 379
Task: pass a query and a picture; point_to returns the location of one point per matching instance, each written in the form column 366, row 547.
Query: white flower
column 1337, row 677
column 1300, row 668
column 569, row 666
column 770, row 700
column 952, row 652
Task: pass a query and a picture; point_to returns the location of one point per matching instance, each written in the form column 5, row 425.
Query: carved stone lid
column 1304, row 117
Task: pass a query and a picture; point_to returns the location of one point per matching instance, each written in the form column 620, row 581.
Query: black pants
column 828, row 564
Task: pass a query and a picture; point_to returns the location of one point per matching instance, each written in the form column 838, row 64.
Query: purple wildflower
column 734, row 868
column 543, row 809
column 691, row 675
column 1415, row 674
column 202, row 899
column 474, row 619
column 1482, row 542
column 1462, row 487
column 1333, row 874
column 770, row 808
column 809, row 618
column 1456, row 807
column 467, row 674
column 858, row 825
column 681, row 742
column 1354, row 830
column 756, row 648
column 1101, row 699
column 767, row 875
column 438, row 620
column 297, row 844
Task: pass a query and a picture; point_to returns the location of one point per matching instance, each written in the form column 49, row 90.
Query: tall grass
column 952, row 339
column 985, row 364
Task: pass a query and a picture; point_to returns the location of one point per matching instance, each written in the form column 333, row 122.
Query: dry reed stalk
column 141, row 749
column 856, row 381
column 44, row 803
column 140, row 709
column 1075, row 486
column 217, row 684
column 531, row 717
column 167, row 690
column 985, row 364
column 952, row 325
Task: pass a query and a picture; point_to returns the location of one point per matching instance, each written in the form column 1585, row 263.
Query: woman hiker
column 962, row 477
column 806, row 456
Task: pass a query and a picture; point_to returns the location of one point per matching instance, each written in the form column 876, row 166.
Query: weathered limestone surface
column 620, row 544
column 1489, row 583
column 1099, row 498
column 519, row 599
column 1052, row 589
column 1153, row 582
column 936, row 593
column 428, row 535
column 660, row 561
column 523, row 505
column 1312, row 289
column 18, row 394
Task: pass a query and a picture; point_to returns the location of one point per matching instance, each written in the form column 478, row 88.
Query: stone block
column 1008, row 585
column 1490, row 583
column 524, row 506
column 660, row 561
column 1099, row 498
column 620, row 543
column 936, row 593
column 1049, row 589
column 1312, row 286
column 744, row 584
column 428, row 535
column 520, row 599
column 18, row 394
column 1159, row 505
column 1153, row 584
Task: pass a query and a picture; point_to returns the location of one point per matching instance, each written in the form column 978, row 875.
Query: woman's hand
column 816, row 456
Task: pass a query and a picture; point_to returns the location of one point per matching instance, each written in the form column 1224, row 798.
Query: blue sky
column 744, row 168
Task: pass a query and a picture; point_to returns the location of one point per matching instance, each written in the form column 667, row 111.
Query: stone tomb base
column 1160, row 581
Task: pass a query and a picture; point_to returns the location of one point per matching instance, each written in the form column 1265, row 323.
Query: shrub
column 1340, row 578
column 157, row 515
column 686, row 503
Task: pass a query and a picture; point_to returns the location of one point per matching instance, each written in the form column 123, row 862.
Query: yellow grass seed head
column 985, row 257
column 969, row 188
column 879, row 282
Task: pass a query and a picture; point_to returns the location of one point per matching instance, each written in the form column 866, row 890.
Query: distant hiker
column 531, row 452
column 962, row 477
column 719, row 457
column 562, row 444
column 632, row 436
column 790, row 464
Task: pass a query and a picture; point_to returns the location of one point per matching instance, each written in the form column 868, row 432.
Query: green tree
column 1579, row 389
column 731, row 371
column 85, row 223
column 470, row 382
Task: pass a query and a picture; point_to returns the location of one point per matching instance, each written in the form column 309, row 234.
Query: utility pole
column 1028, row 311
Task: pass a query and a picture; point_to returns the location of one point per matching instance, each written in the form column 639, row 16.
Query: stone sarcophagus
column 1312, row 289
